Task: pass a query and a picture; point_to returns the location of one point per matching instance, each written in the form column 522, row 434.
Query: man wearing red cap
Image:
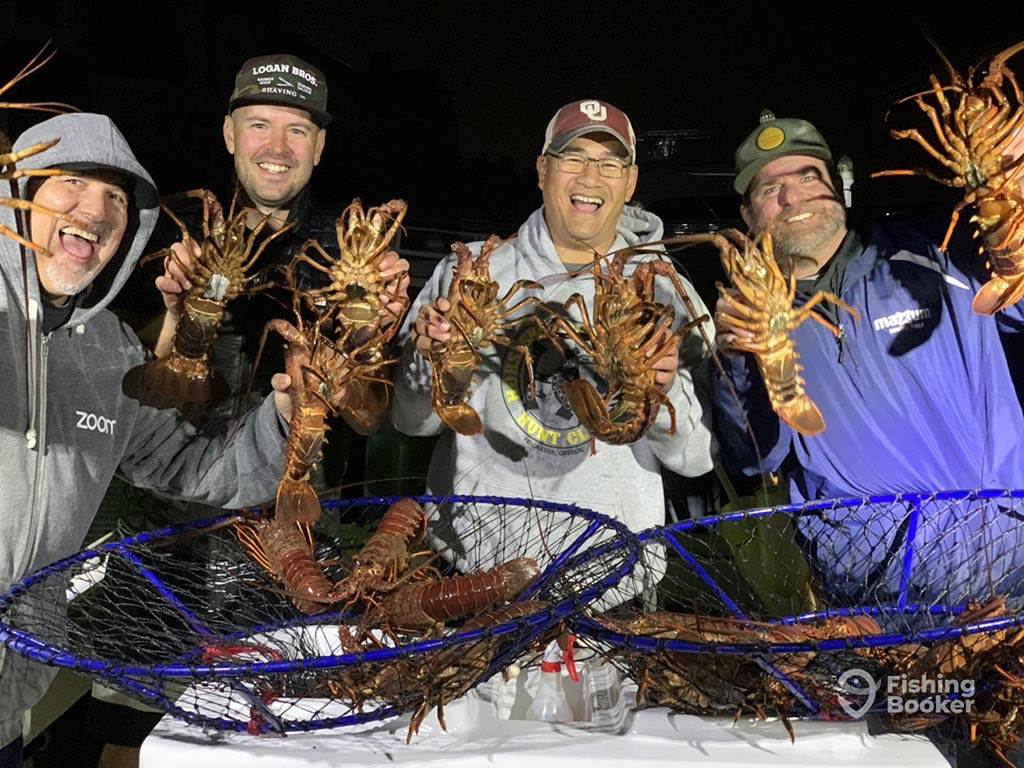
column 532, row 444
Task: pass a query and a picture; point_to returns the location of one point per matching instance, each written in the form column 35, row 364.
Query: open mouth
column 586, row 203
column 78, row 243
column 274, row 167
column 798, row 217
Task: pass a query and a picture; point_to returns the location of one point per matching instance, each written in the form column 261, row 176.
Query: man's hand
column 173, row 283
column 729, row 330
column 665, row 366
column 281, row 382
column 432, row 328
column 394, row 271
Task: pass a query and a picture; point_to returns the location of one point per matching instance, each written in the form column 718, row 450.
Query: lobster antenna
column 930, row 37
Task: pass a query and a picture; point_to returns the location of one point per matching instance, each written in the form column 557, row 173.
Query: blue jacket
column 922, row 401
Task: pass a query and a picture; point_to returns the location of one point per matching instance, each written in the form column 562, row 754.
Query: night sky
column 445, row 105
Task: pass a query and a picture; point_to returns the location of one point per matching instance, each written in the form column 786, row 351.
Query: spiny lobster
column 974, row 139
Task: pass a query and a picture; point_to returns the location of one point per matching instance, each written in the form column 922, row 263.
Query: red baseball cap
column 588, row 116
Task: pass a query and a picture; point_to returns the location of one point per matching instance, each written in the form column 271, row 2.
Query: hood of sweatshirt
column 86, row 141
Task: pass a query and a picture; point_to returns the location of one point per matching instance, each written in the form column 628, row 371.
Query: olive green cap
column 773, row 138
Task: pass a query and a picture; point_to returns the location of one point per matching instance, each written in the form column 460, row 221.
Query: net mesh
column 906, row 606
column 186, row 619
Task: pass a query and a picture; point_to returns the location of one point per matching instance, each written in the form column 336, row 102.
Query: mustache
column 101, row 229
column 284, row 158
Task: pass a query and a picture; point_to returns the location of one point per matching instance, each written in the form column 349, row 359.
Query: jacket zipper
column 37, row 489
column 832, row 314
column 839, row 343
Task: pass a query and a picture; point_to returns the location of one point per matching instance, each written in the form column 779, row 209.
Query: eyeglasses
column 574, row 162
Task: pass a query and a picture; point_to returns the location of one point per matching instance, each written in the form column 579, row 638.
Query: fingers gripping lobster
column 976, row 127
column 765, row 306
column 478, row 319
column 363, row 303
column 356, row 286
column 627, row 331
column 220, row 273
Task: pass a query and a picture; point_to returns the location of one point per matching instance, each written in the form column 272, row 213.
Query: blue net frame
column 215, row 643
column 834, row 609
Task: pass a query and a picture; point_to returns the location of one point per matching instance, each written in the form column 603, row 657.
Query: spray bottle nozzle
column 552, row 661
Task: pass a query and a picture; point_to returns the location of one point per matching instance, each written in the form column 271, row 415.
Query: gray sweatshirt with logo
column 66, row 427
column 537, row 447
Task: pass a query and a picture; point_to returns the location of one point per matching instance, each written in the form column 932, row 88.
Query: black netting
column 186, row 619
column 907, row 606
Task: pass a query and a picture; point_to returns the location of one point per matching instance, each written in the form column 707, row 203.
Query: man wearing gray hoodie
column 67, row 427
column 533, row 445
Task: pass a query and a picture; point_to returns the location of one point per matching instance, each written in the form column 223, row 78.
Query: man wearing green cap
column 915, row 391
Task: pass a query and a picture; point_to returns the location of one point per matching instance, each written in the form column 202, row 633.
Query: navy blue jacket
column 922, row 401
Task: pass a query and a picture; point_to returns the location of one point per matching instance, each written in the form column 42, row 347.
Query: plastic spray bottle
column 549, row 702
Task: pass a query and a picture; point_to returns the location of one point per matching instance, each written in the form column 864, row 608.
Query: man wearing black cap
column 915, row 392
column 532, row 444
column 276, row 131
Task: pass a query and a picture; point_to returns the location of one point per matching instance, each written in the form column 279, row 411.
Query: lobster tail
column 625, row 423
column 997, row 294
column 802, row 415
column 781, row 375
column 297, row 502
column 175, row 380
column 460, row 417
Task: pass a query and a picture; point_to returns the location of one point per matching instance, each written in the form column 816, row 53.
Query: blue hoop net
column 223, row 644
column 906, row 606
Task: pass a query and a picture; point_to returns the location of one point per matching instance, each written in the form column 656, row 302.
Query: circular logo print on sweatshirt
column 545, row 415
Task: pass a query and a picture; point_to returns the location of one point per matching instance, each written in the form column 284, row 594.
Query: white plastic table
column 477, row 738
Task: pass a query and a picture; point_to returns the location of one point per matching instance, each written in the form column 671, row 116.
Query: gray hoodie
column 538, row 448
column 66, row 427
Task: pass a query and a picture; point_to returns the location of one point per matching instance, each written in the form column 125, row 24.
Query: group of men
column 929, row 405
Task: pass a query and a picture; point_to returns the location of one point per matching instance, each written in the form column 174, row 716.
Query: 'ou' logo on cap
column 595, row 110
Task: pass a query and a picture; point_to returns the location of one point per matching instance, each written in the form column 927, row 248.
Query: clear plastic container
column 549, row 702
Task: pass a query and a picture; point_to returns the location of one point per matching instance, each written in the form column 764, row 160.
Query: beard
column 792, row 247
column 70, row 281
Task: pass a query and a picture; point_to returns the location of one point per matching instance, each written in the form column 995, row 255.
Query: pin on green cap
column 773, row 138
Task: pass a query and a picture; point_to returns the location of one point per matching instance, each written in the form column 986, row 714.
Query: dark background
column 445, row 103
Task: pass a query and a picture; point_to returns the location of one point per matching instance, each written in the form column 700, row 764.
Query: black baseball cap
column 280, row 78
